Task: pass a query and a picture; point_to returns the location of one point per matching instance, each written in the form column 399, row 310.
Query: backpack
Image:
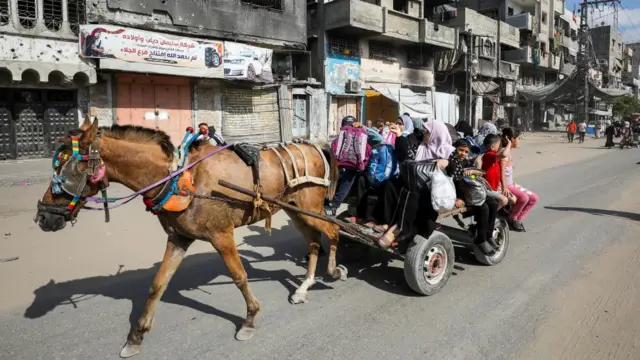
column 351, row 149
column 388, row 136
column 383, row 165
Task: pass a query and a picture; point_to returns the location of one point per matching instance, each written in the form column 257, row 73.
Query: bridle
column 69, row 179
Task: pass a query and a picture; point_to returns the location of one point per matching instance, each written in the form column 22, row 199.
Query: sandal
column 380, row 228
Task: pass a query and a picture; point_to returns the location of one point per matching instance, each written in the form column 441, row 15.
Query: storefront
column 39, row 84
column 154, row 101
column 250, row 115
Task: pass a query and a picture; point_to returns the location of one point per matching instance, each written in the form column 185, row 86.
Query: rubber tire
column 414, row 263
column 216, row 61
column 497, row 258
column 350, row 251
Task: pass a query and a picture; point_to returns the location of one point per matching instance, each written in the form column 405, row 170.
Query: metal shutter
column 250, row 115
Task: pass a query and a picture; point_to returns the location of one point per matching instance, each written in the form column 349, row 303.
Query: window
column 401, row 5
column 5, row 16
column 267, row 4
column 418, row 57
column 509, row 11
column 77, row 14
column 52, row 14
column 543, row 48
column 27, row 13
column 347, row 47
column 380, row 51
column 544, row 17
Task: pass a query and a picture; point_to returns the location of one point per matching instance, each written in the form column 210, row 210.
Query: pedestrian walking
column 582, row 131
column 571, row 131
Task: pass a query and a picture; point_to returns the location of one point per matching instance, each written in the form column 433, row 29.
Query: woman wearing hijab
column 407, row 124
column 415, row 200
column 486, row 129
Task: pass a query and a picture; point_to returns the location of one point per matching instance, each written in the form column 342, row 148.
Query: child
column 493, row 163
column 526, row 199
column 485, row 214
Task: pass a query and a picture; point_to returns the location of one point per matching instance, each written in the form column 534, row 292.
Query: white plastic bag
column 443, row 191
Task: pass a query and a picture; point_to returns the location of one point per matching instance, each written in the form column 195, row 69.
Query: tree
column 626, row 105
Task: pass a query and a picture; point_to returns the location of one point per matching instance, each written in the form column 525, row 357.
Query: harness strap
column 284, row 165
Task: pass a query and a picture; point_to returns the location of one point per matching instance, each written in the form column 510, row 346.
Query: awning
column 601, row 112
column 408, row 101
column 483, row 87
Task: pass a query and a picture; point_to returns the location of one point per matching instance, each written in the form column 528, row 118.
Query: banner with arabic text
column 115, row 42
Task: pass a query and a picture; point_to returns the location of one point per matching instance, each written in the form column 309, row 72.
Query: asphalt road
column 483, row 312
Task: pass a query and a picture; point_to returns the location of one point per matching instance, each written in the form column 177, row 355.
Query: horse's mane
column 140, row 134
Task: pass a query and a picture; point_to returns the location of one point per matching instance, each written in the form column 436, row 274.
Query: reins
column 129, row 198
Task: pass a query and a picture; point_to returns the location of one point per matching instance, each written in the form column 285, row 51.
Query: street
column 569, row 287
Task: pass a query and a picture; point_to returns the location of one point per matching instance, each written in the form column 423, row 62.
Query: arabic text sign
column 114, row 42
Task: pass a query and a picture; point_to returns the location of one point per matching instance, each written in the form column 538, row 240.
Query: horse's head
column 78, row 173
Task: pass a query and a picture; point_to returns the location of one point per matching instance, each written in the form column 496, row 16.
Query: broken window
column 5, row 16
column 267, row 4
column 380, row 51
column 417, row 57
column 347, row 47
column 52, row 14
column 76, row 12
column 544, row 17
column 27, row 13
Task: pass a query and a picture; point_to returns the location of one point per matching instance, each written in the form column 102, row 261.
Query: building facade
column 378, row 58
column 43, row 81
column 232, row 65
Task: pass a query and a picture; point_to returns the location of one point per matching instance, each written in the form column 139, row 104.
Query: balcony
column 469, row 19
column 353, row 16
column 399, row 25
column 520, row 56
column 524, row 21
column 362, row 19
column 438, row 35
column 570, row 44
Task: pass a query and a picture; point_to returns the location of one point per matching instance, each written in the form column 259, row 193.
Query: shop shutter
column 250, row 115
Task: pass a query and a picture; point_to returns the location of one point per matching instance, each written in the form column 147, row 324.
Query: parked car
column 245, row 65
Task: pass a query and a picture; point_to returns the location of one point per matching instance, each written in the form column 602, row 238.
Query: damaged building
column 42, row 78
column 241, row 66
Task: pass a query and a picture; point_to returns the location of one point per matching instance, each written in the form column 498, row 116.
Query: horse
column 135, row 157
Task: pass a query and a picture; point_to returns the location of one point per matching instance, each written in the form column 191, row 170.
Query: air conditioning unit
column 353, row 86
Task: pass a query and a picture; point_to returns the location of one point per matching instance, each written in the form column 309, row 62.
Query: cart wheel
column 351, row 251
column 501, row 236
column 429, row 263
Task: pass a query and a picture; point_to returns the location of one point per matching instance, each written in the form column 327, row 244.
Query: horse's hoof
column 245, row 333
column 343, row 272
column 129, row 350
column 298, row 298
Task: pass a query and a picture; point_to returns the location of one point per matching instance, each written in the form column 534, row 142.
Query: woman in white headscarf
column 486, row 129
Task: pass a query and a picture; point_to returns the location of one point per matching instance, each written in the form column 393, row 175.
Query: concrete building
column 631, row 68
column 493, row 77
column 43, row 81
column 608, row 49
column 241, row 66
column 378, row 55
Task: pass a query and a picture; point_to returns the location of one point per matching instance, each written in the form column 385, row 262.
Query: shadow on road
column 599, row 212
column 196, row 272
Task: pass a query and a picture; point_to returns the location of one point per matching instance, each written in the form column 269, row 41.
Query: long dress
column 609, row 132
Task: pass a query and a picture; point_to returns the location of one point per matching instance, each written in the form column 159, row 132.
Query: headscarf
column 464, row 127
column 408, row 124
column 347, row 121
column 627, row 124
column 373, row 137
column 486, row 129
column 439, row 143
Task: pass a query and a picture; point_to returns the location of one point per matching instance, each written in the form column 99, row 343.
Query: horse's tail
column 333, row 175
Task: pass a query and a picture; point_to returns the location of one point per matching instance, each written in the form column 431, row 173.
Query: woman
column 407, row 124
column 415, row 200
column 610, row 132
column 486, row 129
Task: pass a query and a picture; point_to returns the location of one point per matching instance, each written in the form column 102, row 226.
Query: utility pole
column 469, row 92
column 584, row 59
